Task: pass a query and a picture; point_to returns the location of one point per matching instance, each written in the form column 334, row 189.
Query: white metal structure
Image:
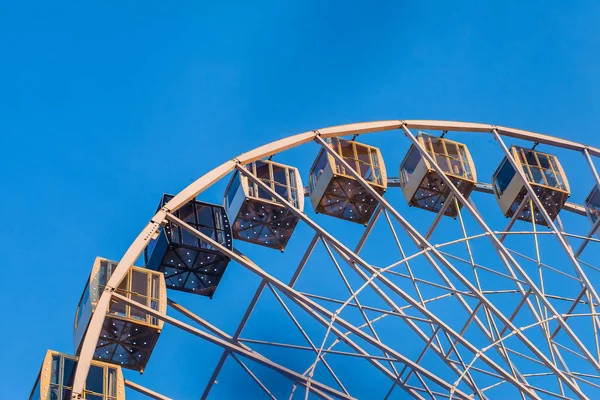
column 468, row 317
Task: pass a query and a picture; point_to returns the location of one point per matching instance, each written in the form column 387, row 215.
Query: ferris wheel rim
column 360, row 128
column 275, row 147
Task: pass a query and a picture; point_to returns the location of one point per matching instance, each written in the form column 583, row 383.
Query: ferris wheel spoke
column 344, row 337
column 235, row 338
column 586, row 153
column 426, row 282
column 384, row 313
column 328, row 350
column 354, row 298
column 355, row 259
column 595, row 321
column 434, row 393
column 549, row 267
column 526, row 298
column 590, row 266
column 466, row 281
column 423, row 242
column 250, row 309
column 588, row 238
column 429, row 340
column 329, row 324
column 321, row 314
column 578, row 376
column 574, row 304
column 408, row 268
column 514, row 218
column 368, row 228
column 307, row 338
column 468, row 375
column 584, row 280
column 254, row 377
column 560, row 358
column 489, row 319
column 145, row 391
column 506, row 255
column 231, row 339
column 484, row 268
column 596, row 224
column 438, row 216
column 554, row 344
column 539, row 206
column 548, row 392
column 491, row 322
column 225, row 336
column 304, row 260
column 227, row 343
column 410, row 321
column 298, row 272
column 299, row 268
column 569, row 350
column 411, row 231
column 362, row 241
column 353, row 294
column 425, row 386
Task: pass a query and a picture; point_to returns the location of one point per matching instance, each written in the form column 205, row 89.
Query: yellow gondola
column 128, row 335
column 421, row 184
column 335, row 192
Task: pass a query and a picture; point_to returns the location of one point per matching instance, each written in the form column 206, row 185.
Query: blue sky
column 103, row 107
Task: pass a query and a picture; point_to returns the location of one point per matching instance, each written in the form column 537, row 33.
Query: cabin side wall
column 300, row 188
column 563, row 176
column 162, row 304
column 471, row 164
column 46, row 372
column 319, row 190
column 381, row 165
column 232, row 209
column 87, row 305
column 415, row 180
column 507, row 198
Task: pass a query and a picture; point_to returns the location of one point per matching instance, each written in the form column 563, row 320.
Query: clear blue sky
column 105, row 106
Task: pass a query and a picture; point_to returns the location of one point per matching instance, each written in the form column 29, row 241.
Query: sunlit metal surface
column 484, row 307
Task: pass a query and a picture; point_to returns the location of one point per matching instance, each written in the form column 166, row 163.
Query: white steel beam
column 422, row 242
column 540, row 208
column 320, row 313
column 145, row 391
column 235, row 337
column 254, row 377
column 377, row 274
column 584, row 280
column 308, row 340
column 506, row 255
column 91, row 337
column 248, row 313
column 232, row 347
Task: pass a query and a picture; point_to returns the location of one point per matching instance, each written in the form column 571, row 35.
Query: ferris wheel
column 462, row 270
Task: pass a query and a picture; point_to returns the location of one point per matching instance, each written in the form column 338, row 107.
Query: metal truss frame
column 451, row 345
